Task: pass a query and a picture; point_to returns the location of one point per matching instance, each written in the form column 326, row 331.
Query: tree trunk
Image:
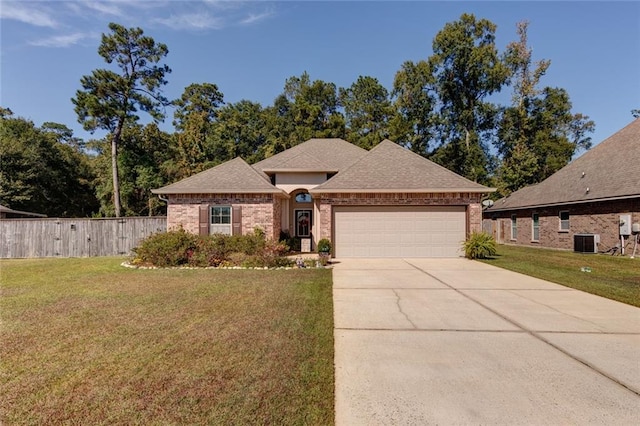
column 114, row 169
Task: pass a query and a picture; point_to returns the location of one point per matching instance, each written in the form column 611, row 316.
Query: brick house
column 387, row 202
column 589, row 205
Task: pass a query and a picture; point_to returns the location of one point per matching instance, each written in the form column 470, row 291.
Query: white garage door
column 434, row 231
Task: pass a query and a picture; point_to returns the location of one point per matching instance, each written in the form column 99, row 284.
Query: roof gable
column 234, row 176
column 608, row 170
column 388, row 167
column 318, row 155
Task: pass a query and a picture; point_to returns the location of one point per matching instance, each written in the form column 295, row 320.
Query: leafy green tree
column 39, row 172
column 239, row 132
column 5, row 112
column 306, row 109
column 144, row 158
column 110, row 100
column 64, row 134
column 519, row 165
column 202, row 99
column 466, row 69
column 368, row 112
column 415, row 100
column 196, row 111
column 537, row 134
column 559, row 134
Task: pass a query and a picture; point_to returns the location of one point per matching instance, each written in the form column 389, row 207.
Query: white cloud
column 28, row 13
column 104, row 7
column 252, row 18
column 192, row 21
column 62, row 40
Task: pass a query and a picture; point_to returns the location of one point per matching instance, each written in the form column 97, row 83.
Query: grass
column 613, row 277
column 85, row 341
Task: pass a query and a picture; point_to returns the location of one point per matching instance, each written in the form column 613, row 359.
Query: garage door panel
column 403, row 231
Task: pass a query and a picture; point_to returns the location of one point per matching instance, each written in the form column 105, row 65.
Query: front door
column 303, row 223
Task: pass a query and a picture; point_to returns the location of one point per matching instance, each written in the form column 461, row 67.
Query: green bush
column 172, row 248
column 273, row 253
column 292, row 243
column 324, row 246
column 480, row 245
column 250, row 244
column 180, row 248
column 209, row 251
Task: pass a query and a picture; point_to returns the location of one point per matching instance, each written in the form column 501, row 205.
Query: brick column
column 474, row 218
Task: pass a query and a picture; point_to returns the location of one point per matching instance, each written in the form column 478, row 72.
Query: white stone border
column 126, row 264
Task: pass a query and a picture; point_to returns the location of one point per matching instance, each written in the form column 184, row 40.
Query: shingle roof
column 391, row 168
column 609, row 170
column 235, row 176
column 5, row 209
column 319, row 155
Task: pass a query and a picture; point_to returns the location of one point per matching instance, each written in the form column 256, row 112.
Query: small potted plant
column 324, row 251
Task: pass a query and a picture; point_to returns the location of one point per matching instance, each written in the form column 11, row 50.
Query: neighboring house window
column 303, row 223
column 564, row 221
column 514, row 227
column 535, row 227
column 221, row 220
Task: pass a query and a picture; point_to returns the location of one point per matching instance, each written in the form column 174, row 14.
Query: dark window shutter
column 204, row 220
column 236, row 220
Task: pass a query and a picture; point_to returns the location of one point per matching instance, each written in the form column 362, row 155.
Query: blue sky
column 249, row 49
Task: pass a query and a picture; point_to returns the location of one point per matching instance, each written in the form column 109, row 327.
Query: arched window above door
column 303, row 197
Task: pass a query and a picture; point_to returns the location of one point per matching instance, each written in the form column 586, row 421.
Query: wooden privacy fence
column 20, row 238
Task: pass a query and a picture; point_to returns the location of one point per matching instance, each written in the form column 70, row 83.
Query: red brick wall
column 600, row 218
column 262, row 210
column 471, row 200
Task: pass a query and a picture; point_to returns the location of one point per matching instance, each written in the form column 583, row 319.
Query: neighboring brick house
column 588, row 198
column 387, row 202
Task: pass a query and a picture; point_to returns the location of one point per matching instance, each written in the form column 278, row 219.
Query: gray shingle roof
column 235, row 176
column 5, row 209
column 319, row 155
column 391, row 168
column 609, row 170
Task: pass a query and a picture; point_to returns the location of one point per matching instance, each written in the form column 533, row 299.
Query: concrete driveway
column 452, row 341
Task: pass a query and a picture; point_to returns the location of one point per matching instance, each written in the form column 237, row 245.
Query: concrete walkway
column 451, row 341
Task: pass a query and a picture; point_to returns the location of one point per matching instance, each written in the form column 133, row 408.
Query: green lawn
column 86, row 341
column 614, row 277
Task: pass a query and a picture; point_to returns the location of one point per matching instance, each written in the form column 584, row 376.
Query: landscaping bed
column 613, row 277
column 85, row 341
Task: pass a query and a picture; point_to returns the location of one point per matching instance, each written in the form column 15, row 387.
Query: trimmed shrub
column 273, row 253
column 209, row 251
column 250, row 244
column 179, row 248
column 172, row 248
column 480, row 245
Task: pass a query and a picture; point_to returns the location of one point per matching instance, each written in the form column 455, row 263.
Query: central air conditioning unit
column 586, row 243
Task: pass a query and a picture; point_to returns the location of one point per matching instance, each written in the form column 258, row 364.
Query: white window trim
column 221, row 228
column 514, row 227
column 568, row 221
column 535, row 227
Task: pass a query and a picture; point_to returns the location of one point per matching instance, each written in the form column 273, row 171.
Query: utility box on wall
column 625, row 224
